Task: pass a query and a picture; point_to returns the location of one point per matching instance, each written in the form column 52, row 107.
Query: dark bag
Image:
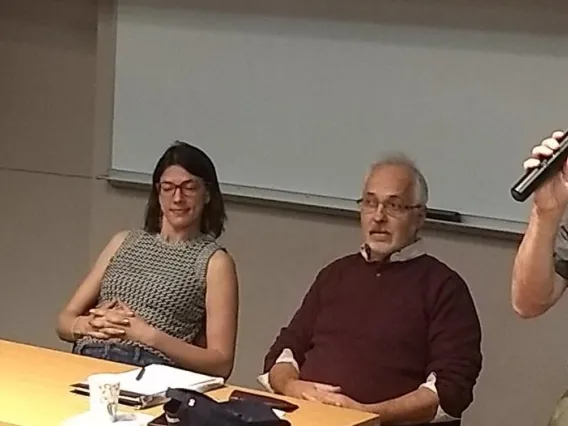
column 192, row 408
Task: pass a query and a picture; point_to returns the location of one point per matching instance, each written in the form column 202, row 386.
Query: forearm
column 192, row 357
column 419, row 406
column 70, row 326
column 533, row 270
column 281, row 374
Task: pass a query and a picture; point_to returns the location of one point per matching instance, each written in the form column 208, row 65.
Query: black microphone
column 536, row 176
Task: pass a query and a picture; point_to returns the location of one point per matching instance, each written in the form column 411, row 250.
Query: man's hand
column 333, row 398
column 552, row 195
column 299, row 388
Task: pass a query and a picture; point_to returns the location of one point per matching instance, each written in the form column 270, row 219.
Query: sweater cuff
column 441, row 416
column 285, row 356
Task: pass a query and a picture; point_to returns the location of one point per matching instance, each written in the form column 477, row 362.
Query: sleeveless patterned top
column 162, row 282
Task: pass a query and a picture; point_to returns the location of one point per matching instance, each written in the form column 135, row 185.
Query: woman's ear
column 207, row 197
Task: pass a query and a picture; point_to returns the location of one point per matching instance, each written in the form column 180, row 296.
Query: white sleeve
column 285, row 356
column 441, row 415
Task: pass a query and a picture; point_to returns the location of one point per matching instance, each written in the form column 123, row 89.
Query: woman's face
column 182, row 198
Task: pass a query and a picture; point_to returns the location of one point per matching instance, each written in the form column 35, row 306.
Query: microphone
column 536, row 176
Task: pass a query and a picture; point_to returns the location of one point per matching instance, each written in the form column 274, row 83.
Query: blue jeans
column 118, row 352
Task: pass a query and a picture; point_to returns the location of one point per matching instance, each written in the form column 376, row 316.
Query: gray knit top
column 162, row 282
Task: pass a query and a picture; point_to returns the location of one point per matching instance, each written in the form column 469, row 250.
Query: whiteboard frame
column 470, row 224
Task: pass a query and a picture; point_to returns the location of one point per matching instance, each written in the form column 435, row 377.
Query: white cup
column 103, row 396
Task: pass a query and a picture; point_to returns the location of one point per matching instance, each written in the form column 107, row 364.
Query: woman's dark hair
column 196, row 162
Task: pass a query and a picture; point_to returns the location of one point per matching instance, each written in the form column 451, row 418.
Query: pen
column 141, row 373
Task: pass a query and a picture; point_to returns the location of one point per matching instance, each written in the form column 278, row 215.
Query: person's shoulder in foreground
column 540, row 270
column 390, row 329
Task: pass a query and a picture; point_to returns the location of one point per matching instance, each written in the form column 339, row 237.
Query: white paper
column 158, row 378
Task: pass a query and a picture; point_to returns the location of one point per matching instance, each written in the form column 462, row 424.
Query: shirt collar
column 408, row 252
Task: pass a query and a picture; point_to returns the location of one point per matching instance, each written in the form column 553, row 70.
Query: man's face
column 390, row 216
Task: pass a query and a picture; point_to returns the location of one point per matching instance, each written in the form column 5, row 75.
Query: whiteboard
column 295, row 109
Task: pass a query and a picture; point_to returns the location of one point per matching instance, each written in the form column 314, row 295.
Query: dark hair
column 196, row 162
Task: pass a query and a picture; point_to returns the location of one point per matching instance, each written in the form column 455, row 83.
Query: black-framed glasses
column 394, row 206
column 187, row 188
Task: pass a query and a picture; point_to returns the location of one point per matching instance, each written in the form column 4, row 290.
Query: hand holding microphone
column 546, row 173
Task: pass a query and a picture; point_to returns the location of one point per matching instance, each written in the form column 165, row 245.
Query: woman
column 167, row 293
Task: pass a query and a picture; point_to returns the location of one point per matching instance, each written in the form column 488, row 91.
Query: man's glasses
column 393, row 206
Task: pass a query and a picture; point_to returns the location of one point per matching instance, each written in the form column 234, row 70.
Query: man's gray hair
column 400, row 159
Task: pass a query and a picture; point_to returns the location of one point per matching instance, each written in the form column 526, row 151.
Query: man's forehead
column 390, row 180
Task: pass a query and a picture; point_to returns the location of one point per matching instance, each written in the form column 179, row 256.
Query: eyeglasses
column 394, row 206
column 187, row 188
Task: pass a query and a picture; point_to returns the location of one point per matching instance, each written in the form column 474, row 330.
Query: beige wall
column 55, row 217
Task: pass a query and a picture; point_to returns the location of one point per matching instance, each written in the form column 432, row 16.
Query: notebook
column 150, row 390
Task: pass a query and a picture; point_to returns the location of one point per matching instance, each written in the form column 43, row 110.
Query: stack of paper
column 151, row 388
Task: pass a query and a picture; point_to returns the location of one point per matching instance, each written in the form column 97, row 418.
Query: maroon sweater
column 378, row 330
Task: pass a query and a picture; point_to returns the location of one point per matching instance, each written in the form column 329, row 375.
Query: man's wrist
column 280, row 380
column 375, row 408
column 286, row 386
column 547, row 216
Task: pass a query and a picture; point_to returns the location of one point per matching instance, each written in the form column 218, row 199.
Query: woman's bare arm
column 222, row 302
column 74, row 317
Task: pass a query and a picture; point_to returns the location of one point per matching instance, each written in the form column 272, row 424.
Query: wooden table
column 34, row 390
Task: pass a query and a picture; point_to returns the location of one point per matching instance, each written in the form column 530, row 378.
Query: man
column 390, row 329
column 540, row 271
